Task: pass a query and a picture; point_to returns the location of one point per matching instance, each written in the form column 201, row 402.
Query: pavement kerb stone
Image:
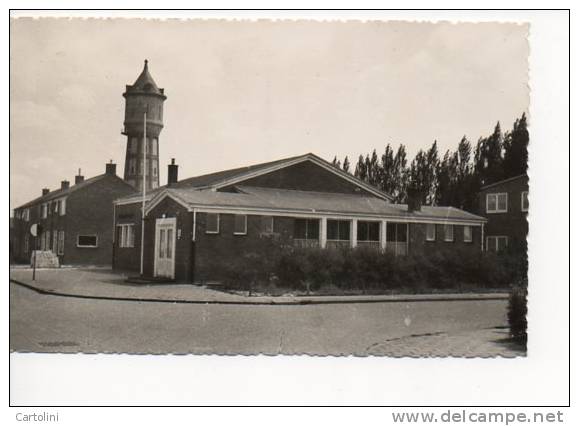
column 269, row 301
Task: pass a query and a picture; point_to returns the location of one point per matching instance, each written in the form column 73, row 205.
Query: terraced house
column 303, row 201
column 505, row 204
column 75, row 220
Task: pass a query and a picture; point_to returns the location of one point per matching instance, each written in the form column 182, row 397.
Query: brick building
column 193, row 225
column 76, row 220
column 505, row 205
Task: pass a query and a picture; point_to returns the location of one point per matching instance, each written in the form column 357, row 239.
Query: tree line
column 451, row 179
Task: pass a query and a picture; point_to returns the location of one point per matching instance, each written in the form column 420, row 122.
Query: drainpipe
column 114, row 233
column 194, row 235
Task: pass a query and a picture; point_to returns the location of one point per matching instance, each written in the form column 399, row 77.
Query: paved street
column 47, row 323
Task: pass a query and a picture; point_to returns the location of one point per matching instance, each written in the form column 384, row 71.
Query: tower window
column 133, row 145
column 132, row 166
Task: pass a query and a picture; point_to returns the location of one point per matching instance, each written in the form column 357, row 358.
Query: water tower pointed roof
column 145, row 82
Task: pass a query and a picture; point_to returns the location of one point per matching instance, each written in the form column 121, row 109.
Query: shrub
column 517, row 312
column 366, row 269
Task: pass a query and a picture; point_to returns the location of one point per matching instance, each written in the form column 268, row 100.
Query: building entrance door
column 165, row 247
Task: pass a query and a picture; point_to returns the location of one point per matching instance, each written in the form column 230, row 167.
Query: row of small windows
column 338, row 230
column 133, row 167
column 152, row 146
column 448, row 233
column 57, row 207
column 498, row 203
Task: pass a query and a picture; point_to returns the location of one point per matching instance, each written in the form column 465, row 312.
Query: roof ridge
column 303, row 191
column 505, row 180
column 61, row 191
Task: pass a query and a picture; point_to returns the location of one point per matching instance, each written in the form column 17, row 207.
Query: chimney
column 414, row 200
column 78, row 178
column 64, row 184
column 172, row 173
column 111, row 168
column 45, row 191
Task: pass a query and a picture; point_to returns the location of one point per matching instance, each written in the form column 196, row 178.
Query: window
column 132, row 165
column 134, row 145
column 525, row 201
column 62, row 208
column 368, row 231
column 467, row 234
column 43, row 211
column 430, row 232
column 307, row 229
column 240, row 224
column 339, row 230
column 55, row 241
column 126, row 235
column 497, row 203
column 26, row 215
column 61, row 243
column 26, row 243
column 449, row 233
column 267, row 224
column 56, row 206
column 212, row 223
column 169, row 251
column 141, row 167
column 87, row 241
column 153, row 146
column 497, row 243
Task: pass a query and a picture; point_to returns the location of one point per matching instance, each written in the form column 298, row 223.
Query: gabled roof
column 500, row 182
column 57, row 193
column 230, row 177
column 285, row 201
column 233, row 176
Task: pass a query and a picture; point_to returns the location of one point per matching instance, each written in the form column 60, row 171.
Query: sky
column 245, row 92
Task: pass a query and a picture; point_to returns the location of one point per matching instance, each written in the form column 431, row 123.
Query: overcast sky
column 240, row 93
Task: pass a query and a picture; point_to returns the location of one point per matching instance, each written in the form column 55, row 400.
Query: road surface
column 47, row 323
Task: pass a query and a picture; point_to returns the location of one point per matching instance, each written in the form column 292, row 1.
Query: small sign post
column 34, row 230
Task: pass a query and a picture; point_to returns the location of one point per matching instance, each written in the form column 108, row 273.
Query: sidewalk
column 105, row 284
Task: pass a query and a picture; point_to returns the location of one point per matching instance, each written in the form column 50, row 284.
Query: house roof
column 229, row 177
column 309, row 202
column 500, row 182
column 57, row 193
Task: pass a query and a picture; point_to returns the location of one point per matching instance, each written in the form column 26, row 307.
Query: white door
column 165, row 248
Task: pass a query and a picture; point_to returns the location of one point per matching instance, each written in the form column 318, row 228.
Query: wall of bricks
column 305, row 176
column 204, row 261
column 89, row 211
column 128, row 258
column 417, row 243
column 513, row 223
column 183, row 246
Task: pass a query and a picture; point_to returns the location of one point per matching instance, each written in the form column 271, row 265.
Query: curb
column 256, row 302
